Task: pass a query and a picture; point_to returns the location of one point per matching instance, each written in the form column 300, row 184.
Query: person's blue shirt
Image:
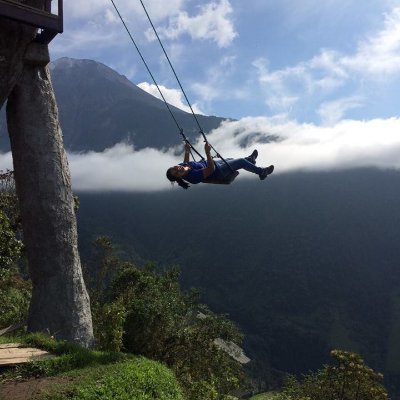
column 195, row 175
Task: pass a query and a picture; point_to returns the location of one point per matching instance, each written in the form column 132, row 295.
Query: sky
column 323, row 76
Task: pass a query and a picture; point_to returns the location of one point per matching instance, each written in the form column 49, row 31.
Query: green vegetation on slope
column 303, row 263
column 94, row 374
column 348, row 379
column 147, row 313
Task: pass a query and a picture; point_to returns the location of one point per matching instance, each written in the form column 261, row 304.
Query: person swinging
column 210, row 171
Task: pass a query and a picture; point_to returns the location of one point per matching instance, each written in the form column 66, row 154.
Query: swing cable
column 184, row 138
column 180, row 85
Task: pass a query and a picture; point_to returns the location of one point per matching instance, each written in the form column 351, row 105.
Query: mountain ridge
column 98, row 108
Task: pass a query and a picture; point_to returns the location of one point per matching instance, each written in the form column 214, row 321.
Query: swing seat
column 223, row 181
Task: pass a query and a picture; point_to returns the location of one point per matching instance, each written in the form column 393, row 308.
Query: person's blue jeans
column 222, row 170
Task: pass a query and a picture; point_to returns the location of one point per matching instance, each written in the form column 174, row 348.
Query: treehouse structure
column 49, row 24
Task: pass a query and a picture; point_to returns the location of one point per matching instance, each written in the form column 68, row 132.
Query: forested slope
column 302, row 262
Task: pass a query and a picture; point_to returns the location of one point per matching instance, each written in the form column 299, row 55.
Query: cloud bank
column 300, row 147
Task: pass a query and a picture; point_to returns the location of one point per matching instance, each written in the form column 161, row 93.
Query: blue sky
column 322, row 76
column 315, row 61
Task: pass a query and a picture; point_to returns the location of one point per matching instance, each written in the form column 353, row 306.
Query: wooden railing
column 49, row 23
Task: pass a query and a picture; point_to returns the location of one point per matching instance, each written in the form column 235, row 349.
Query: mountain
column 303, row 262
column 99, row 107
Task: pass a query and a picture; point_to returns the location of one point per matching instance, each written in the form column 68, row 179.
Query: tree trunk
column 60, row 303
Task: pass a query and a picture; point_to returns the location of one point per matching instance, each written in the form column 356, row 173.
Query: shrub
column 10, row 246
column 160, row 321
column 139, row 379
column 15, row 294
column 348, row 379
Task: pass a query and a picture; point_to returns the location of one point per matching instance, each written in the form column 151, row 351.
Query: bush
column 160, row 321
column 139, row 379
column 8, row 199
column 108, row 323
column 15, row 292
column 10, row 246
column 348, row 379
column 15, row 295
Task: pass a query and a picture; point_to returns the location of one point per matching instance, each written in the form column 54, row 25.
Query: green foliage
column 8, row 199
column 348, row 379
column 15, row 294
column 108, row 320
column 10, row 246
column 108, row 315
column 139, row 379
column 94, row 374
column 161, row 322
column 14, row 291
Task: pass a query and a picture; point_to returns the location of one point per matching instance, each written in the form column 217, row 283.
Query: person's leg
column 243, row 163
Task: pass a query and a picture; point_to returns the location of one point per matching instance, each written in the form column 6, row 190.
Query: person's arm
column 210, row 162
column 187, row 153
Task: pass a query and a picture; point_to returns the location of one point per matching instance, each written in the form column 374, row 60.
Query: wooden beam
column 31, row 15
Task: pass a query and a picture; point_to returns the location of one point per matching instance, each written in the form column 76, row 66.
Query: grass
column 85, row 374
column 139, row 379
column 70, row 356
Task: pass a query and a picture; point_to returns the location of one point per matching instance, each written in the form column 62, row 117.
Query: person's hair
column 179, row 181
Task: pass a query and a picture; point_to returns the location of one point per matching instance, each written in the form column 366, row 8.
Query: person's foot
column 252, row 157
column 266, row 171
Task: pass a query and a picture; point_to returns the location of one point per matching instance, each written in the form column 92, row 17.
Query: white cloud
column 5, row 161
column 380, row 53
column 213, row 22
column 215, row 85
column 333, row 111
column 84, row 9
column 121, row 168
column 94, row 25
column 376, row 58
column 347, row 144
column 172, row 96
column 90, row 9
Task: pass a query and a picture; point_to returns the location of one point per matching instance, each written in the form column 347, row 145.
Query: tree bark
column 60, row 303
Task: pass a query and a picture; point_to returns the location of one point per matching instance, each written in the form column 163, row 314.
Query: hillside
column 99, row 107
column 303, row 263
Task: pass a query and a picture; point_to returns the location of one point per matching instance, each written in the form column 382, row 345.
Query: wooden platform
column 15, row 353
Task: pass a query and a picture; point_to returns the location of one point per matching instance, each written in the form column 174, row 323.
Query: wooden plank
column 14, row 353
column 8, row 345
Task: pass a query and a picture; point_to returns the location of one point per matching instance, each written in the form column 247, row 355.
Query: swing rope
column 180, row 85
column 184, row 138
column 173, row 70
column 160, row 92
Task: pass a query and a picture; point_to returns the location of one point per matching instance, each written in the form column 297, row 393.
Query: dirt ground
column 27, row 390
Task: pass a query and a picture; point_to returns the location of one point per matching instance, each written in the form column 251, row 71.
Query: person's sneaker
column 266, row 171
column 252, row 157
